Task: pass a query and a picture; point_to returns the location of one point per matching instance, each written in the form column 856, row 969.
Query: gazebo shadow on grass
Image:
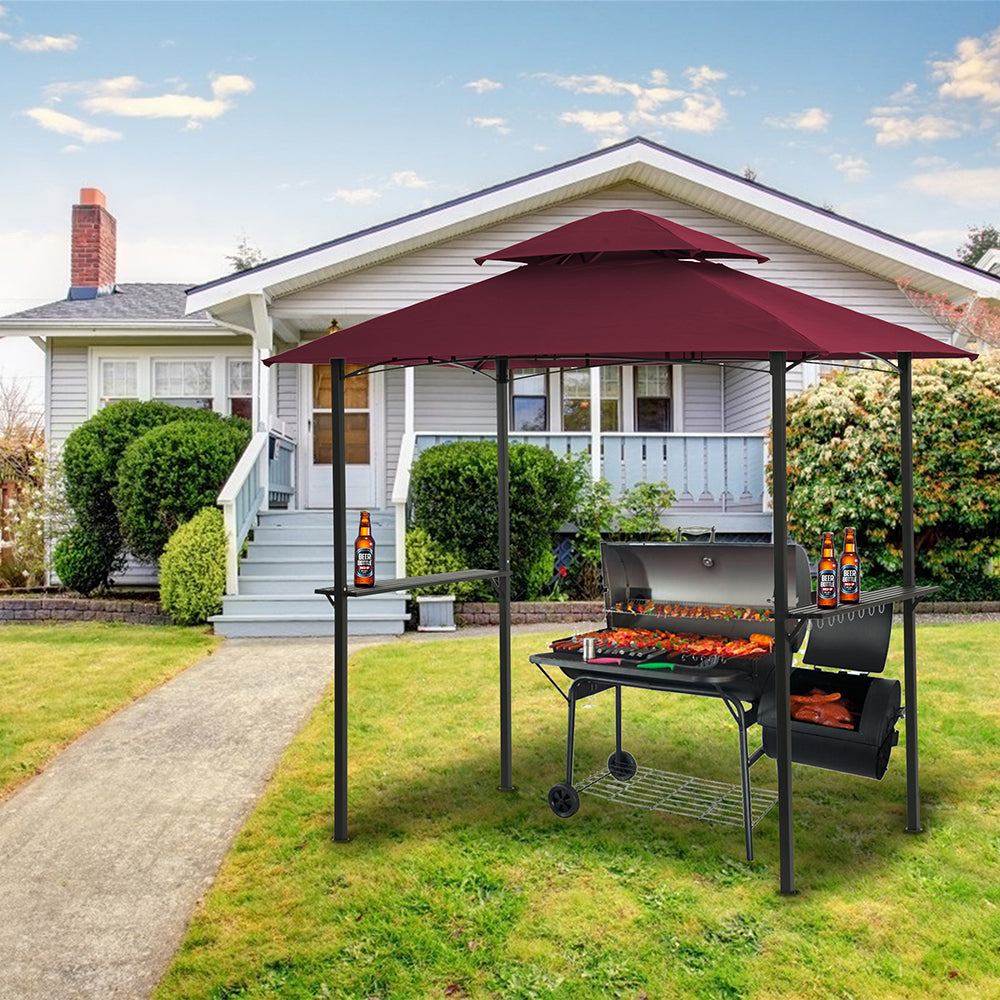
column 845, row 825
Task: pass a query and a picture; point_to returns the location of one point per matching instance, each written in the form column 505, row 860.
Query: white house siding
column 395, row 416
column 426, row 273
column 702, row 399
column 69, row 389
column 287, row 397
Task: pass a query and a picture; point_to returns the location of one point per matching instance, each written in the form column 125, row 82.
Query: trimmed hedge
column 94, row 550
column 169, row 474
column 454, row 499
column 193, row 569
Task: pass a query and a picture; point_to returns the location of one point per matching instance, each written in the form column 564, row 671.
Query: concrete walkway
column 104, row 855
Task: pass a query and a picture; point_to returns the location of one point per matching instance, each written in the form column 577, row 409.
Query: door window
column 357, row 417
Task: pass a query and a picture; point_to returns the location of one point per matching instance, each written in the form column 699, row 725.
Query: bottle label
column 848, row 579
column 364, row 562
column 826, row 584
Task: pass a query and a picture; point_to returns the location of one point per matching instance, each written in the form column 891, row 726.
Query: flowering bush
column 844, row 469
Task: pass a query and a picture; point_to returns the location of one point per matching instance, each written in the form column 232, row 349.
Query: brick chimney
column 92, row 270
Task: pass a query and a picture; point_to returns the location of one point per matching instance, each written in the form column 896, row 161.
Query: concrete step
column 290, row 555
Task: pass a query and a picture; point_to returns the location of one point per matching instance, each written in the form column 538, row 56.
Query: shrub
column 635, row 515
column 844, row 469
column 453, row 496
column 169, row 474
column 193, row 569
column 85, row 561
column 425, row 556
column 91, row 457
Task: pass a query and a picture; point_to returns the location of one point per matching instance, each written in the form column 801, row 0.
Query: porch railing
column 709, row 473
column 262, row 476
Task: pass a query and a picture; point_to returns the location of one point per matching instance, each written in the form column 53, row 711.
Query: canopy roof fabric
column 623, row 232
column 647, row 309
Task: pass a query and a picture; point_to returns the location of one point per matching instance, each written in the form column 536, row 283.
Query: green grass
column 452, row 888
column 58, row 681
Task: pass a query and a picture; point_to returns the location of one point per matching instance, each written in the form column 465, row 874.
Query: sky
column 289, row 124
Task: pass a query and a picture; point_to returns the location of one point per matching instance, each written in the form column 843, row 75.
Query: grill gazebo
column 622, row 287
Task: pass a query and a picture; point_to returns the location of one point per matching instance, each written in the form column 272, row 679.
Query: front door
column 358, row 438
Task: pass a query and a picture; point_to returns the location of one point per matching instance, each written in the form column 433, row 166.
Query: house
column 702, row 428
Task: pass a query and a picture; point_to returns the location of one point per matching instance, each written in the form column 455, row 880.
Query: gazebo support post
column 337, row 375
column 502, row 373
column 782, row 651
column 905, row 364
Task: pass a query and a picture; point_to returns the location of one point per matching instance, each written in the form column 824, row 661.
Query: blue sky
column 293, row 123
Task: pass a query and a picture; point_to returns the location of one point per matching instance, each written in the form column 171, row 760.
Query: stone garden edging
column 81, row 609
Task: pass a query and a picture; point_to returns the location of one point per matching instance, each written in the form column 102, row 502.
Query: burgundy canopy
column 620, row 233
column 652, row 309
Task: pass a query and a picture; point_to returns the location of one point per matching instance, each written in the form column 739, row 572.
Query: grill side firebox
column 686, row 591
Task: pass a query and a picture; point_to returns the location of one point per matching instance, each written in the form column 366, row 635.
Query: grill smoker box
column 700, row 573
column 856, row 640
column 864, row 751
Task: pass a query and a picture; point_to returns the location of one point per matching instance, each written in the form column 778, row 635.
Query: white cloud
column 810, row 120
column 117, row 97
column 46, row 43
column 854, row 168
column 122, row 96
column 498, row 124
column 699, row 111
column 897, row 130
column 407, row 179
column 977, row 188
column 483, row 84
column 937, row 239
column 356, row 196
column 56, row 121
column 974, row 73
column 4, row 37
column 701, row 76
column 229, row 84
column 597, row 121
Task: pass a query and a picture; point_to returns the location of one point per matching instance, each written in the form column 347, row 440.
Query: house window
column 652, row 398
column 576, row 399
column 239, row 387
column 184, row 383
column 529, row 400
column 119, row 380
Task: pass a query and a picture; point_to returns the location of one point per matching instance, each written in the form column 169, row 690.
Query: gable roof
column 638, row 160
column 140, row 302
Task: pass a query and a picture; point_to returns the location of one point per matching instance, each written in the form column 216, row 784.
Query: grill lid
column 698, row 573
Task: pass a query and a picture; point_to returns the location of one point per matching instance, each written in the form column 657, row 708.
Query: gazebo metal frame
column 778, row 365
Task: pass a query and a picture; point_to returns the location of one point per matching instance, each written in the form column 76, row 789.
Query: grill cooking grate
column 681, row 795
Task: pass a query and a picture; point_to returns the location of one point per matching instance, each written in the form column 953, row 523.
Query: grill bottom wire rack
column 680, row 795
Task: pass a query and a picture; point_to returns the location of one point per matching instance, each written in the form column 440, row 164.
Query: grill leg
column 570, row 733
column 618, row 719
column 745, row 780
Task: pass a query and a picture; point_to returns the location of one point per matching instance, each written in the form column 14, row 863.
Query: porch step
column 288, row 557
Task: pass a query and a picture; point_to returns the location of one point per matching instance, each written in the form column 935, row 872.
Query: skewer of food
column 720, row 612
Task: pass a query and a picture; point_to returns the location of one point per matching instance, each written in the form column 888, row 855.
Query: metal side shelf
column 406, row 582
column 868, row 599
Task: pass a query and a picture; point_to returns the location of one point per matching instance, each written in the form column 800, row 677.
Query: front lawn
column 452, row 888
column 58, row 681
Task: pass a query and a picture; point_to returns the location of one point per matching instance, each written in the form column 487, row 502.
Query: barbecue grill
column 679, row 619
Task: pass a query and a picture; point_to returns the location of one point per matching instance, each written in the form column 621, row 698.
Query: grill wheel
column 622, row 765
column 564, row 800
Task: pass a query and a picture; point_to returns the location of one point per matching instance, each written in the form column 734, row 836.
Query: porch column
column 595, row 424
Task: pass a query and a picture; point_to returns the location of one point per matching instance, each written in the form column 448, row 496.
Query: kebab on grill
column 755, row 645
column 725, row 612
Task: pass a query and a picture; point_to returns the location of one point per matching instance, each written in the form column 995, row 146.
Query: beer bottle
column 364, row 553
column 850, row 570
column 826, row 576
